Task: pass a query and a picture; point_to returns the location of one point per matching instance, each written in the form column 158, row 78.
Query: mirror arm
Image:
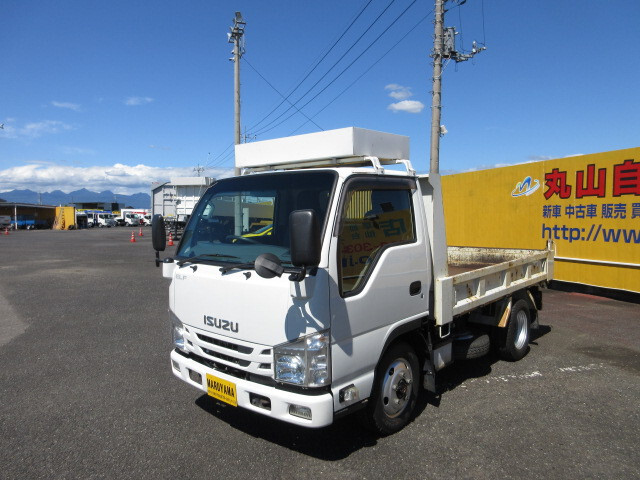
column 157, row 258
column 299, row 273
column 298, row 276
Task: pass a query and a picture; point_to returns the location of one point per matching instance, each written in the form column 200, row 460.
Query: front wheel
column 395, row 391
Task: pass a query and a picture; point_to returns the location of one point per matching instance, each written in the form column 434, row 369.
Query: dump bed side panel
column 478, row 276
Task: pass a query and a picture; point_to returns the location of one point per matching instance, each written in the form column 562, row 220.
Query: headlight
column 305, row 361
column 177, row 330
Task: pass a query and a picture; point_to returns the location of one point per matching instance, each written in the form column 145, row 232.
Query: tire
column 395, row 391
column 514, row 343
column 475, row 346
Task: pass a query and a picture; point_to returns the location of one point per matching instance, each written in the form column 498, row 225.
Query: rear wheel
column 395, row 392
column 515, row 340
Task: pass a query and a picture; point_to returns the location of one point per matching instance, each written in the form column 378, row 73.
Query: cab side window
column 373, row 218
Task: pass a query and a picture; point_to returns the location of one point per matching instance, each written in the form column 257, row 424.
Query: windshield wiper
column 204, row 256
column 242, row 266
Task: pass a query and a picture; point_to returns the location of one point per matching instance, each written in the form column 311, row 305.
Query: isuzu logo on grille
column 221, row 324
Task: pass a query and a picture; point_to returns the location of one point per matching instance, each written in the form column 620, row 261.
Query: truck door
column 379, row 270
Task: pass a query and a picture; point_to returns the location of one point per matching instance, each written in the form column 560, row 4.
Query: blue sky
column 115, row 95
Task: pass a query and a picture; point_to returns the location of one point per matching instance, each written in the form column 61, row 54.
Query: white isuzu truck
column 319, row 283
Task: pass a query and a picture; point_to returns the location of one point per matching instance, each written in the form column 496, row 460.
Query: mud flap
column 429, row 376
column 428, row 369
column 535, row 295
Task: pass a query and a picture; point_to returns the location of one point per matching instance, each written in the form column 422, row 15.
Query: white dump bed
column 478, row 276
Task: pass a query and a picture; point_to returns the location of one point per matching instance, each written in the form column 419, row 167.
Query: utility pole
column 436, row 100
column 198, row 170
column 444, row 46
column 236, row 37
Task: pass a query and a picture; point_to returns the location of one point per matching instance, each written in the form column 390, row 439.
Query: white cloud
column 409, row 106
column 119, row 178
column 34, row 129
column 399, row 92
column 136, row 101
column 71, row 106
column 159, row 147
column 540, row 158
column 489, row 167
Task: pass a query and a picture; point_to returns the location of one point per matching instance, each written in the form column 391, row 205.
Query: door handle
column 415, row 288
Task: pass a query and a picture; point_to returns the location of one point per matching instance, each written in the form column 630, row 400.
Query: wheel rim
column 397, row 387
column 522, row 333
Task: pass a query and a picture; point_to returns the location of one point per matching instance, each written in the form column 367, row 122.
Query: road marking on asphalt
column 581, row 368
column 508, row 378
column 537, row 374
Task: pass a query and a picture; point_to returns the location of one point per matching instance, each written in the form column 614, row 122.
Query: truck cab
column 105, row 220
column 128, row 218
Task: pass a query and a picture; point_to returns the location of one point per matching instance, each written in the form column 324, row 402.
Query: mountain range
column 58, row 197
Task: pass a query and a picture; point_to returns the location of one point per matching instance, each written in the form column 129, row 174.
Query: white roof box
column 331, row 144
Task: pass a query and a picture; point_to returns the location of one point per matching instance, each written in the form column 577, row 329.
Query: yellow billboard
column 589, row 205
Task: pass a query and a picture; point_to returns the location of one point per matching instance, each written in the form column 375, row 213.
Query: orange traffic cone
column 6, row 230
column 170, row 240
column 133, row 237
column 140, row 234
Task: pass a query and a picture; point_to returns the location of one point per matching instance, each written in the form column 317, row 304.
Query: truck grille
column 242, row 363
column 229, row 354
column 227, row 345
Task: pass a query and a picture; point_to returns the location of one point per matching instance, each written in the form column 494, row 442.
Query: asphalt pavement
column 86, row 389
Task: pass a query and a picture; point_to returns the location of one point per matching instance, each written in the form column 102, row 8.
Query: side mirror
column 305, row 238
column 158, row 236
column 268, row 265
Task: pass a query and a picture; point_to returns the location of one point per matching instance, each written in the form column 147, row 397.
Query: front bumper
column 321, row 406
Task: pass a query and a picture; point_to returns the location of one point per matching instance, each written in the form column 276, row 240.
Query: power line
column 278, row 92
column 367, row 70
column 484, row 37
column 261, row 131
column 211, row 163
column 461, row 28
column 317, row 63
column 330, row 68
column 224, row 159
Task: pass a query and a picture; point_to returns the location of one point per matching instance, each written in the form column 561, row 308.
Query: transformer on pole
column 444, row 46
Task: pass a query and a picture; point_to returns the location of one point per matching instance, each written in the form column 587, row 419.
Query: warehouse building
column 28, row 215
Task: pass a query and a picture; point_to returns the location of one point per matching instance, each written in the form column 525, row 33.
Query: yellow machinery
column 65, row 218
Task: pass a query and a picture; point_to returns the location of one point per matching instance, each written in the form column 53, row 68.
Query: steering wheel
column 246, row 239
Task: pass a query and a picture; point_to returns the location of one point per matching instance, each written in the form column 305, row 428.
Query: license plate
column 222, row 390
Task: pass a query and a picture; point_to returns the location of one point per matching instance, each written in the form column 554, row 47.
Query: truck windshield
column 239, row 218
